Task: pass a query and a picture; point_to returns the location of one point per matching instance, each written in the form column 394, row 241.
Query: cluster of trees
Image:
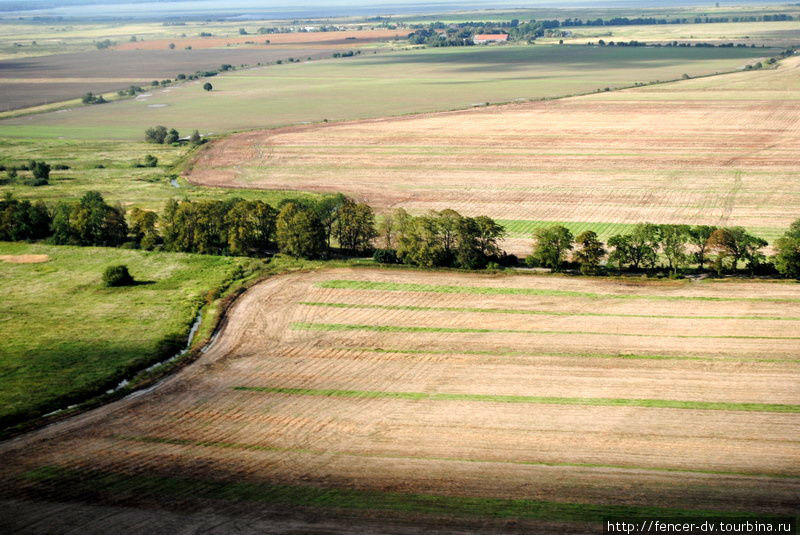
column 91, row 98
column 650, row 247
column 443, row 238
column 23, row 220
column 39, row 172
column 160, row 135
column 89, row 221
column 438, row 34
column 132, row 91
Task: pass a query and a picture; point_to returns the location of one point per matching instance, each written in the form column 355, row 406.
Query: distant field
column 295, row 39
column 783, row 33
column 720, row 150
column 379, row 85
column 508, row 403
column 52, row 352
column 31, row 81
column 29, row 39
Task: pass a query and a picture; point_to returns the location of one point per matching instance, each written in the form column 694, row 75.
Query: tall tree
column 327, row 211
column 552, row 244
column 590, row 252
column 673, row 245
column 787, row 259
column 621, row 254
column 698, row 236
column 355, row 227
column 299, row 231
column 644, row 243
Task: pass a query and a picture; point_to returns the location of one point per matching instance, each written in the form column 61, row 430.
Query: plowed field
column 721, row 150
column 444, row 401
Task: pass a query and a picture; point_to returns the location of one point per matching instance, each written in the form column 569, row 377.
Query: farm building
column 485, row 38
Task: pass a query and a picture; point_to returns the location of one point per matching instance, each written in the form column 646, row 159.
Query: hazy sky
column 310, row 8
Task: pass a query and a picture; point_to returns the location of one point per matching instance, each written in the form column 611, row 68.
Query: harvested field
column 38, row 80
column 609, row 397
column 720, row 150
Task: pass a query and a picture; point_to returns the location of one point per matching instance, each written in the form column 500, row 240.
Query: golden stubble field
column 566, row 391
column 720, row 151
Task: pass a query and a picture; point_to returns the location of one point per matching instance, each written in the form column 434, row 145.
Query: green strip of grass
column 510, row 353
column 256, row 447
column 487, row 290
column 413, row 329
column 536, row 312
column 493, row 398
column 79, row 483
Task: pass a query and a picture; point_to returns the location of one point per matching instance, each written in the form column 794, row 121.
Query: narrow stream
column 125, row 382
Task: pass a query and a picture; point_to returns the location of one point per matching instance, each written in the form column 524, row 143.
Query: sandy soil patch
column 24, row 258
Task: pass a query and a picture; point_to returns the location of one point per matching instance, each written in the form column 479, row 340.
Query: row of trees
column 309, row 229
column 649, row 246
column 443, row 238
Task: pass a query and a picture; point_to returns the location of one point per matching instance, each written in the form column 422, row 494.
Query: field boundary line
column 533, row 312
column 341, row 284
column 306, row 326
column 631, row 356
column 545, row 400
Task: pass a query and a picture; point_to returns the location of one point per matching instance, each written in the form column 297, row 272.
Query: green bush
column 117, row 276
column 385, row 256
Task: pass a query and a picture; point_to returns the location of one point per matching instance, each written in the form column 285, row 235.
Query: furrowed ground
column 434, row 397
column 721, row 150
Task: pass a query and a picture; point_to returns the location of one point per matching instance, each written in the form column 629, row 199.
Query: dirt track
column 196, row 425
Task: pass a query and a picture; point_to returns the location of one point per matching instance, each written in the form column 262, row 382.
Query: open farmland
column 781, row 33
column 377, row 85
column 721, row 150
column 350, row 395
column 46, row 79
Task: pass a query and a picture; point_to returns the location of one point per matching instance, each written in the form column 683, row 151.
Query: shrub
column 117, row 276
column 385, row 256
column 150, row 161
column 207, row 86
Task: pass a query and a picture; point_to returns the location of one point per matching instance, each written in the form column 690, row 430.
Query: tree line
column 339, row 225
column 671, row 248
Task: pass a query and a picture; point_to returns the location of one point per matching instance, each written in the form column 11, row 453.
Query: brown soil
column 728, row 158
column 629, row 455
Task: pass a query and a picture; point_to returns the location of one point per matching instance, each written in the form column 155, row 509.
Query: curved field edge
column 196, row 287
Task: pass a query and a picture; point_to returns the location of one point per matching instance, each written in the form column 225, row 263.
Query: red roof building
column 490, row 38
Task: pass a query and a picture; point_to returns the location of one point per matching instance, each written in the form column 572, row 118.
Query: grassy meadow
column 378, row 85
column 108, row 166
column 65, row 335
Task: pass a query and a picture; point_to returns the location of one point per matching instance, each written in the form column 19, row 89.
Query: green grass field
column 379, row 85
column 65, row 335
column 118, row 179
